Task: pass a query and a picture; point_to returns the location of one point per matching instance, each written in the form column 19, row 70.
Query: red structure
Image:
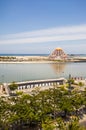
column 58, row 54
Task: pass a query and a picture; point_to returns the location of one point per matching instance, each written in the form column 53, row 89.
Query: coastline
column 26, row 62
column 39, row 62
column 38, row 59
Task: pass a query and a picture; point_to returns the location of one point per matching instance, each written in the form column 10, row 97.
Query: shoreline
column 38, row 59
column 39, row 62
column 28, row 62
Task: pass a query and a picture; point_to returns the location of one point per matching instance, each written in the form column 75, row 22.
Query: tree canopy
column 48, row 109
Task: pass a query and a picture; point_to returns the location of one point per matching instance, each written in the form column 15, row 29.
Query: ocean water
column 81, row 55
column 24, row 54
column 10, row 72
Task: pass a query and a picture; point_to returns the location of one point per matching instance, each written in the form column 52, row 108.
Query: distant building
column 58, row 54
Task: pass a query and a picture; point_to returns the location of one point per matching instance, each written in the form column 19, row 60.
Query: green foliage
column 81, row 84
column 13, row 86
column 71, row 81
column 19, row 93
column 60, row 123
column 74, row 125
column 48, row 125
column 43, row 108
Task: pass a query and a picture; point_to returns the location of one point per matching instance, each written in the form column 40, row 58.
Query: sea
column 81, row 55
column 18, row 72
column 24, row 54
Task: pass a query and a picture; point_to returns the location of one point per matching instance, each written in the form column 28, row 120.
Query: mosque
column 58, row 54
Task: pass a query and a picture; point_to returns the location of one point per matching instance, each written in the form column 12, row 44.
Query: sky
column 40, row 26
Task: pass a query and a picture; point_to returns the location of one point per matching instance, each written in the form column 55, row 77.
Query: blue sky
column 40, row 26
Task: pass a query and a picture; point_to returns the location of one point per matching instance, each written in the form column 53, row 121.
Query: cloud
column 46, row 35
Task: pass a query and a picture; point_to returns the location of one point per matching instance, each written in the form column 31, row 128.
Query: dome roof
column 58, row 48
column 58, row 53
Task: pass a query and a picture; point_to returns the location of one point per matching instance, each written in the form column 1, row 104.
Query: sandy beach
column 26, row 62
column 37, row 59
column 25, row 59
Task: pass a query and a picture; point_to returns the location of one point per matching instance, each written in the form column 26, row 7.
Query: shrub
column 13, row 86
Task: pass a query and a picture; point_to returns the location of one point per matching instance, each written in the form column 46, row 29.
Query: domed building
column 58, row 54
